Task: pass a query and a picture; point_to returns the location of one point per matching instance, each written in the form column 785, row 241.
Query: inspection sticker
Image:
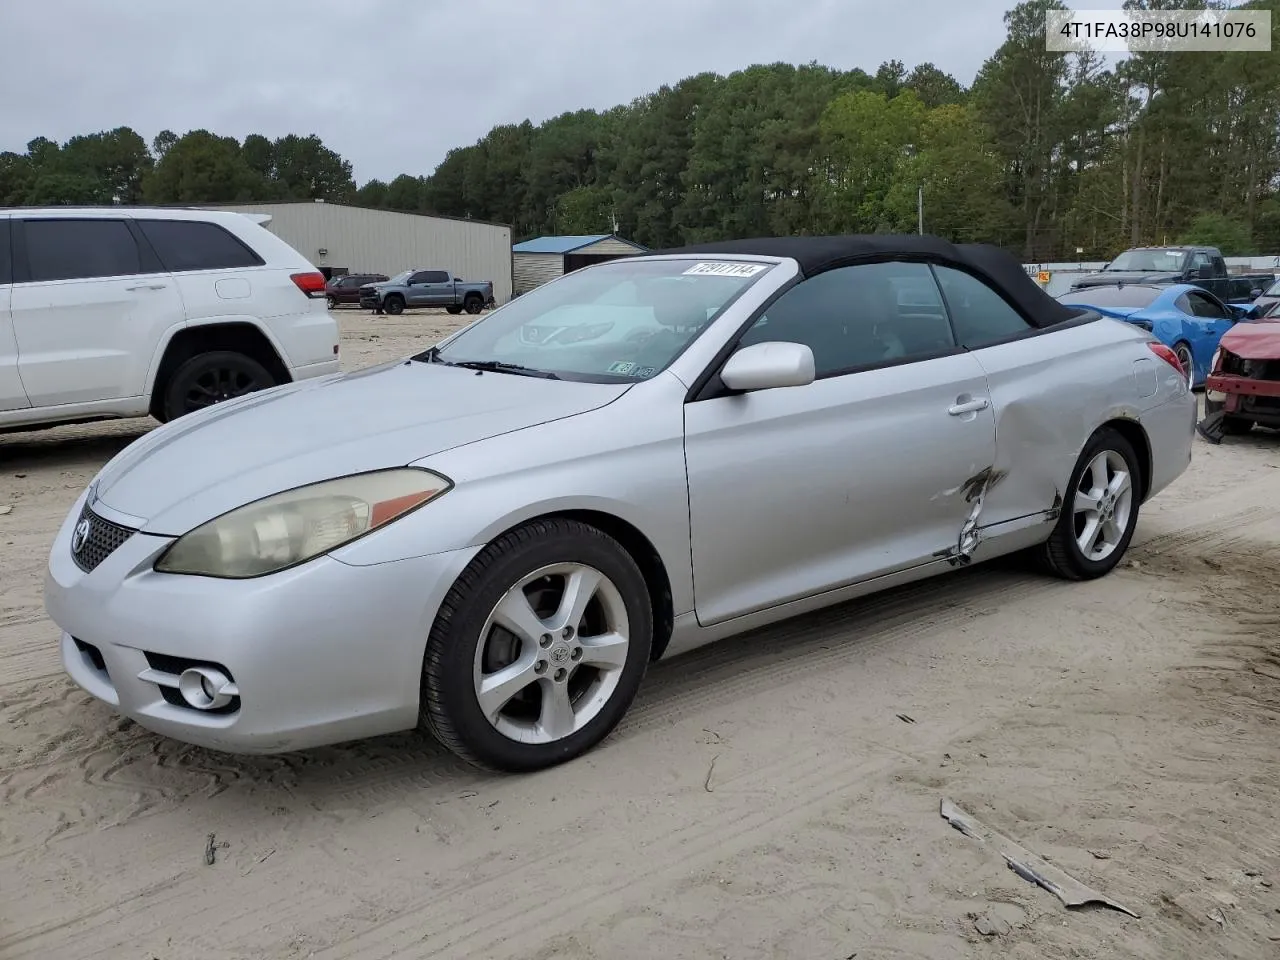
column 621, row 366
column 726, row 269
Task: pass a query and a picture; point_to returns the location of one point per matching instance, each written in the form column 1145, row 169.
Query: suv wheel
column 333, row 302
column 210, row 378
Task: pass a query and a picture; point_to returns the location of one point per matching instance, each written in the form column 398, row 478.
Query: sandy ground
column 775, row 796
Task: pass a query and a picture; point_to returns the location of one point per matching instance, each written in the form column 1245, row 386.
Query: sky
column 393, row 85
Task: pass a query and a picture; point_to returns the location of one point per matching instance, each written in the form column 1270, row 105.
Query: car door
column 439, row 288
column 12, row 394
column 88, row 304
column 796, row 491
column 1212, row 320
column 418, row 289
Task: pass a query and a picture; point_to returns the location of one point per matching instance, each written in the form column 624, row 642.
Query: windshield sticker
column 621, row 366
column 645, row 372
column 725, row 269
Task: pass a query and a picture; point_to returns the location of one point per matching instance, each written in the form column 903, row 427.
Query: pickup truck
column 427, row 288
column 1201, row 266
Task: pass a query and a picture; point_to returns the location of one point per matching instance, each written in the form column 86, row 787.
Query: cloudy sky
column 393, row 84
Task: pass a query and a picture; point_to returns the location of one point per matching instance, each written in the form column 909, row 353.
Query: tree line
column 1055, row 156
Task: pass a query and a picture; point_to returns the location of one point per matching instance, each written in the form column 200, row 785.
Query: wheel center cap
column 559, row 654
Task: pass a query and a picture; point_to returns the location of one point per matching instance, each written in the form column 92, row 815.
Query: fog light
column 206, row 688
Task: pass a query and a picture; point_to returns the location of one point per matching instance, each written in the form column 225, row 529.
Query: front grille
column 93, row 539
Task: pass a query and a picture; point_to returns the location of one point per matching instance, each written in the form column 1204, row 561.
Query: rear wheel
column 332, row 302
column 1182, row 351
column 210, row 378
column 1236, row 426
column 538, row 649
column 474, row 303
column 1100, row 512
column 394, row 305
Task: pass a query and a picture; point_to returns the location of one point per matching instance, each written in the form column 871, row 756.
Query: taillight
column 1168, row 356
column 312, row 284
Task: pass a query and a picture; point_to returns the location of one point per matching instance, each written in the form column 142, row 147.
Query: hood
column 1253, row 339
column 204, row 464
column 1109, row 278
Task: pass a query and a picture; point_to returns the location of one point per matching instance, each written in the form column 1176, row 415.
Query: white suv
column 124, row 311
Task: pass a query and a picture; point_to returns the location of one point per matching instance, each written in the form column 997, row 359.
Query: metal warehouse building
column 537, row 261
column 339, row 238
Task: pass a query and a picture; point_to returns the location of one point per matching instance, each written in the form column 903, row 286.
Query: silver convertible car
column 492, row 539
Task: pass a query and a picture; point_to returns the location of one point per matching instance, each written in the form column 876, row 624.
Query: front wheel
column 210, row 378
column 1100, row 512
column 453, row 309
column 393, row 305
column 538, row 649
column 332, row 302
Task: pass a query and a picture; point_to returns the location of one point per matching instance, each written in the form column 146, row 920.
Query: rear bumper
column 321, row 369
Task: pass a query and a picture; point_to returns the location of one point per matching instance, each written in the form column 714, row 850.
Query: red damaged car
column 1243, row 387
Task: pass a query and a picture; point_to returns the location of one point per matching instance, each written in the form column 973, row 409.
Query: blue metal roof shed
column 541, row 259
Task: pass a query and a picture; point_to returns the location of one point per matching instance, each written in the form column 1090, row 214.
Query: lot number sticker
column 725, row 269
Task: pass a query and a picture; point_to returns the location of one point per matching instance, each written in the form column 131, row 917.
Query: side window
column 860, row 316
column 6, row 263
column 980, row 315
column 184, row 245
column 434, row 276
column 80, row 249
column 422, row 276
column 1202, row 306
column 1199, row 260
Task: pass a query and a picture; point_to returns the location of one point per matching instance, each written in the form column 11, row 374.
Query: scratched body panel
column 1049, row 394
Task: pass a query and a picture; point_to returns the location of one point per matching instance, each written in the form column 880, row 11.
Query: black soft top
column 989, row 263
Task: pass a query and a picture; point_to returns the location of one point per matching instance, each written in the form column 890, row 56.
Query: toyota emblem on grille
column 80, row 535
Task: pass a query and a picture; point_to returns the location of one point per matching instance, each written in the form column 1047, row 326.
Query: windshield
column 1273, row 290
column 1129, row 295
column 1149, row 261
column 400, row 277
column 618, row 322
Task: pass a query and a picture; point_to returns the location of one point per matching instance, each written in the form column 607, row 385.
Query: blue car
column 1187, row 319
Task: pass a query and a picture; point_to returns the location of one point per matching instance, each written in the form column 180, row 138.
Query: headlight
column 1217, row 357
column 290, row 528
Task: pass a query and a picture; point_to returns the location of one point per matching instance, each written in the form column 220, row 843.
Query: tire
column 394, row 305
column 465, row 645
column 1182, row 350
column 1236, row 426
column 332, row 302
column 1062, row 554
column 473, row 304
column 210, row 378
column 453, row 309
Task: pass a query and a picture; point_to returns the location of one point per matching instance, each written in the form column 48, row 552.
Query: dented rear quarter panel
column 1050, row 392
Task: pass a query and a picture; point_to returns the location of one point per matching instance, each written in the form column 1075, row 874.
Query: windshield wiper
column 497, row 366
column 432, row 355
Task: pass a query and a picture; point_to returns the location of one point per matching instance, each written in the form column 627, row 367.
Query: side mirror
column 1255, row 293
column 763, row 366
column 1205, row 272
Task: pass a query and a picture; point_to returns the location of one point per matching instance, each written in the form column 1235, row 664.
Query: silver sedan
column 492, row 539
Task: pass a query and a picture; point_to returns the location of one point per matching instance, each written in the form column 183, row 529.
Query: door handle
column 147, row 286
column 971, row 406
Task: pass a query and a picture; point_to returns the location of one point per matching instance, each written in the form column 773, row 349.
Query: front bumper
column 320, row 654
column 1243, row 397
column 370, row 303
